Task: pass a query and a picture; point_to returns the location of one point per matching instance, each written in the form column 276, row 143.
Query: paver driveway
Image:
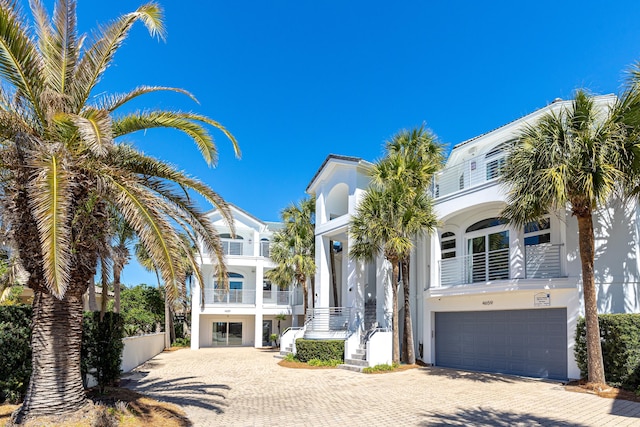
column 246, row 387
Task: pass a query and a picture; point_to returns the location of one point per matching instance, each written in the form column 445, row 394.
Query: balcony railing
column 467, row 174
column 329, row 319
column 231, row 296
column 541, row 261
column 282, row 297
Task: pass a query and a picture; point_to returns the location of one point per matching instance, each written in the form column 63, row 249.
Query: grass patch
column 290, row 361
column 384, row 368
column 317, row 362
column 122, row 406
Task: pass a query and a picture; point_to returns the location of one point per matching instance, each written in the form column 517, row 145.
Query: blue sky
column 297, row 80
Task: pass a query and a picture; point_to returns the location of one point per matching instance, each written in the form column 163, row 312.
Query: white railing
column 482, row 267
column 264, row 249
column 289, row 337
column 467, row 174
column 231, row 296
column 543, row 261
column 281, row 297
column 329, row 319
column 232, row 247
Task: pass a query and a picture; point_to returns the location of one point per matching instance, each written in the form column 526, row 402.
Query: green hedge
column 620, row 338
column 319, row 349
column 102, row 347
column 15, row 352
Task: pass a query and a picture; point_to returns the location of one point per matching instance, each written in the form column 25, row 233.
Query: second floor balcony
column 240, row 247
column 541, row 261
column 248, row 297
column 469, row 173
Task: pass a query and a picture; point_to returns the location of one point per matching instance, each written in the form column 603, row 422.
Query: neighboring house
column 245, row 313
column 486, row 295
column 26, row 297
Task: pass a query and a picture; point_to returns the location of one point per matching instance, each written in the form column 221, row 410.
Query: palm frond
column 50, row 192
column 106, row 42
column 189, row 123
column 113, row 102
column 20, row 62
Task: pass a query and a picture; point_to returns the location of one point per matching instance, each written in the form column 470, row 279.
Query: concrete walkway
column 246, row 387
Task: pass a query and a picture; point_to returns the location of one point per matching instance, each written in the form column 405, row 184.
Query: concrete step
column 358, row 356
column 351, row 368
column 361, row 351
column 355, row 362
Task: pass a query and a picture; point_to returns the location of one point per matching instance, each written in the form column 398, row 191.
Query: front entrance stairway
column 357, row 361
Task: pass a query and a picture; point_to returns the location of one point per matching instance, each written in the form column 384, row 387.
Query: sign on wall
column 542, row 299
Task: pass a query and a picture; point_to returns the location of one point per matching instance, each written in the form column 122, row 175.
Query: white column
column 323, row 275
column 384, row 304
column 195, row 314
column 354, row 272
column 259, row 303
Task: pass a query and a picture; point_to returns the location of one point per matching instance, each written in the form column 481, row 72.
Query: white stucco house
column 486, row 295
column 245, row 314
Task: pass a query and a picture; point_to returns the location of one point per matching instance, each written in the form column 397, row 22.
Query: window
column 264, row 247
column 537, row 232
column 494, row 168
column 234, row 294
column 447, row 245
column 231, row 246
column 488, row 251
column 495, row 160
column 486, row 223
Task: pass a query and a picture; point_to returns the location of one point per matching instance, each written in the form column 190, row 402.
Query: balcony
column 231, row 296
column 470, row 173
column 541, row 261
column 291, row 297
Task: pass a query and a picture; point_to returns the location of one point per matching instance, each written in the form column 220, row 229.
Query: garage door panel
column 520, row 342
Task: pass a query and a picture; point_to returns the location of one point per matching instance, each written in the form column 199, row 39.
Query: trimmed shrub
column 102, row 347
column 620, row 338
column 15, row 357
column 319, row 349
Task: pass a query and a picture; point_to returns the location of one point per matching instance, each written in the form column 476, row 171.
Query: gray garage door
column 531, row 343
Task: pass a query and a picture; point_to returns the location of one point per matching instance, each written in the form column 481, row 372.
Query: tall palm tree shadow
column 184, row 391
column 490, row 417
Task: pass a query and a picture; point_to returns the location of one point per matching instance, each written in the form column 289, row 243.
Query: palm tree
column 122, row 237
column 293, row 248
column 62, row 170
column 413, row 157
column 573, row 157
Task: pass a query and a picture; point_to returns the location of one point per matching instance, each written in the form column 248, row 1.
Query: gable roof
column 336, row 157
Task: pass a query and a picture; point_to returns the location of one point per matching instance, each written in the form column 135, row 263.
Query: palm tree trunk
column 587, row 251
column 56, row 382
column 334, row 282
column 408, row 352
column 394, row 319
column 116, row 288
column 305, row 293
column 93, row 305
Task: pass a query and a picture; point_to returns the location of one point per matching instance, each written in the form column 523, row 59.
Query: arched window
column 234, row 294
column 485, row 223
column 264, row 247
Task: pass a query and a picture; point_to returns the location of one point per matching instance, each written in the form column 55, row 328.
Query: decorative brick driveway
column 246, row 387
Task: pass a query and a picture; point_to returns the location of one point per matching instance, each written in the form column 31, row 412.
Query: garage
column 530, row 343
